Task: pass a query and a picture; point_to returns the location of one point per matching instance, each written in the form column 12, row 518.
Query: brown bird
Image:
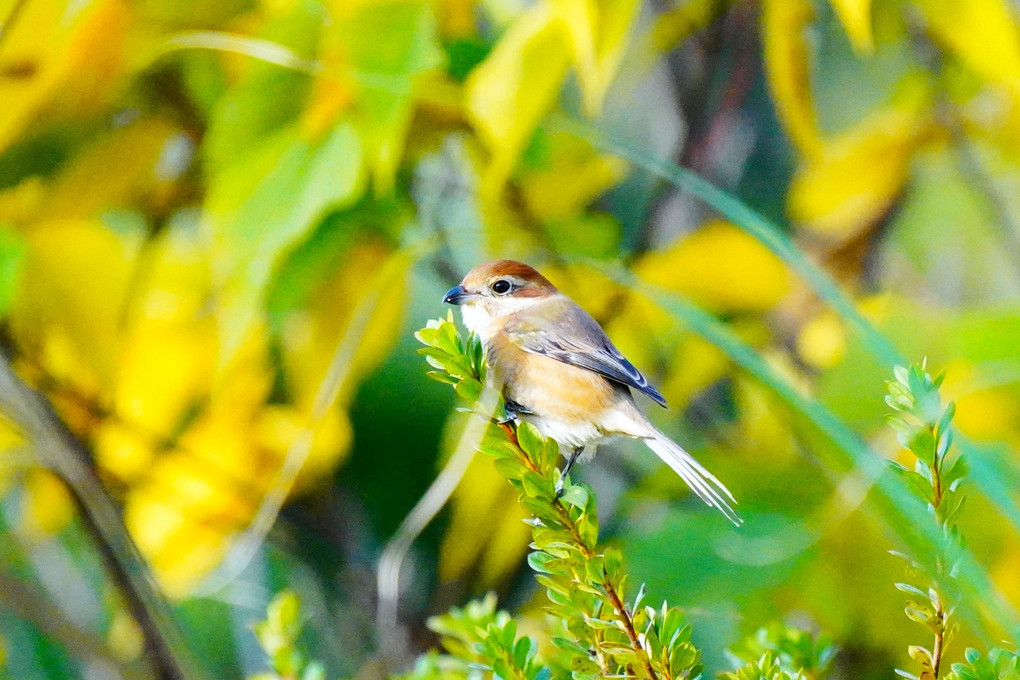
column 558, row 370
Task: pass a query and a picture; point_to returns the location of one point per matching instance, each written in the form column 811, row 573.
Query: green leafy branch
column 779, row 651
column 278, row 636
column 998, row 664
column 602, row 634
column 479, row 636
column 923, row 426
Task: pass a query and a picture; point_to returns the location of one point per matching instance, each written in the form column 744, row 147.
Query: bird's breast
column 549, row 388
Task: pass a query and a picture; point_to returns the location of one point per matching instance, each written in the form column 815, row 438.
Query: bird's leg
column 571, row 459
column 511, row 412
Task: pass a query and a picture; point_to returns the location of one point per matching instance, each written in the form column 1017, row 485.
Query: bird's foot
column 571, row 459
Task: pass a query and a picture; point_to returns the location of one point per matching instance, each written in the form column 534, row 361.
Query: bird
column 558, row 370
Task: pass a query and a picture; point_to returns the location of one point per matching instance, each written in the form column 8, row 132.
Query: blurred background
column 221, row 222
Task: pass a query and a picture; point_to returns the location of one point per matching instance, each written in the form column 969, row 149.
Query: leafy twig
column 603, row 634
column 923, row 427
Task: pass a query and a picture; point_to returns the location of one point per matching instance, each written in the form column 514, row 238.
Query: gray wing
column 585, row 345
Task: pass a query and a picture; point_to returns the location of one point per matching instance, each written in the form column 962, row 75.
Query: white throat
column 477, row 319
column 479, row 315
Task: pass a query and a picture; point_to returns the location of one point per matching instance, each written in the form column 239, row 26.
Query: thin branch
column 388, row 633
column 32, row 605
column 607, row 585
column 58, row 450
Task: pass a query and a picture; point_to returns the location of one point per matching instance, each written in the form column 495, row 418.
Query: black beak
column 456, row 295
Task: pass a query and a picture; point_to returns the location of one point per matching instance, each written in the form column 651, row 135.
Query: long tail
column 701, row 481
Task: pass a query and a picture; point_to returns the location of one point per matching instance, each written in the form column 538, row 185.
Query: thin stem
column 607, row 585
column 58, row 450
column 937, row 648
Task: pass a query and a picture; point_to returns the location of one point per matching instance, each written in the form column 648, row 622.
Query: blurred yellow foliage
column 855, row 15
column 196, row 451
column 357, row 312
column 721, row 267
column 988, row 412
column 75, row 327
column 125, row 637
column 68, row 50
column 133, row 163
column 859, row 173
column 983, row 33
column 821, row 342
column 598, row 32
column 516, row 85
column 486, row 529
column 784, row 23
column 693, row 367
column 569, row 178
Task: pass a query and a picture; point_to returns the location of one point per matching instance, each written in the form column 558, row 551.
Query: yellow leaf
column 192, row 500
column 509, row 93
column 457, row 18
column 129, row 160
column 51, row 41
column 11, row 441
column 672, row 27
column 73, row 284
column 697, row 365
column 982, row 33
column 984, row 412
column 1005, row 569
column 599, row 31
column 125, row 637
column 784, row 23
column 278, row 427
column 764, row 423
column 859, row 173
column 124, row 449
column 508, row 543
column 719, row 266
column 855, row 15
column 821, row 343
column 571, row 176
column 21, row 203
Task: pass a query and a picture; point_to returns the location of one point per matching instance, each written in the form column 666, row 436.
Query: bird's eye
column 501, row 287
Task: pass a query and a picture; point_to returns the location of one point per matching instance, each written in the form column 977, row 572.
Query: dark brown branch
column 58, row 450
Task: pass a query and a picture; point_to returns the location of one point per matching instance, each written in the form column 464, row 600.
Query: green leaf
column 258, row 209
column 388, row 71
column 575, row 495
column 12, row 253
column 583, row 665
column 469, row 389
column 530, row 440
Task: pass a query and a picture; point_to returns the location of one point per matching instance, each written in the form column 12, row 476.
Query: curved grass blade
column 893, row 507
column 986, row 472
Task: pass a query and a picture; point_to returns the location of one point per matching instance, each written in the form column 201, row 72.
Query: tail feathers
column 701, row 481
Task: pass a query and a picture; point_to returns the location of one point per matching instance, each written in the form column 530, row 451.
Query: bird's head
column 498, row 288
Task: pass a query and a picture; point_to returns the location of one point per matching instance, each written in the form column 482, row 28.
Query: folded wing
column 581, row 343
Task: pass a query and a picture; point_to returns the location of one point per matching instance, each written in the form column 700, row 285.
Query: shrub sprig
column 603, row 633
column 923, row 426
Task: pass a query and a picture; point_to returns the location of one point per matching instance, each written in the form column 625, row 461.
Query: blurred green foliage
column 222, row 220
